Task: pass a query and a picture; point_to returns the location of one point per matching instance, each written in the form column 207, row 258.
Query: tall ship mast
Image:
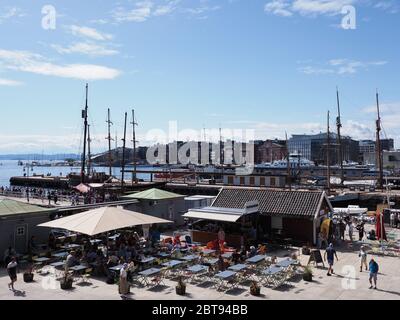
column 339, row 126
column 85, row 117
column 378, row 144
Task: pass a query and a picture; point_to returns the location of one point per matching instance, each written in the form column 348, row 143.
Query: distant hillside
column 39, row 157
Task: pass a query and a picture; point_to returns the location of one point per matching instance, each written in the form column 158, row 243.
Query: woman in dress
column 124, row 287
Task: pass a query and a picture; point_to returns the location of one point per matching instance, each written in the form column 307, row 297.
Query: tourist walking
column 373, row 274
column 12, row 272
column 330, row 255
column 351, row 229
column 361, row 231
column 363, row 259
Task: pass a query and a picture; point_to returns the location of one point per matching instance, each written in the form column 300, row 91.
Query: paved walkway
column 348, row 283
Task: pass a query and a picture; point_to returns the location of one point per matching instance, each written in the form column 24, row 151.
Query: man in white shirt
column 12, row 272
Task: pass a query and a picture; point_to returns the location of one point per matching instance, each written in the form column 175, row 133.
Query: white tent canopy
column 103, row 220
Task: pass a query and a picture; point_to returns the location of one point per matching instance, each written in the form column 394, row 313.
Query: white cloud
column 390, row 6
column 140, row 13
column 146, row 9
column 34, row 63
column 340, row 67
column 10, row 83
column 86, row 48
column 90, row 33
column 11, row 13
column 278, row 7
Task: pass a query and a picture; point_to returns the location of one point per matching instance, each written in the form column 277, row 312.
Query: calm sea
column 10, row 168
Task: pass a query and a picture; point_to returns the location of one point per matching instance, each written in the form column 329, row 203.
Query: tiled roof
column 272, row 202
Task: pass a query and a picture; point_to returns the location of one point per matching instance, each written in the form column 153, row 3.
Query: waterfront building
column 314, row 148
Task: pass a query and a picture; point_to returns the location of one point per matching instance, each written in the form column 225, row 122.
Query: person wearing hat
column 330, row 253
column 363, row 256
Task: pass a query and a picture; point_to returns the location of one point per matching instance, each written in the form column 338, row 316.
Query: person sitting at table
column 262, row 249
column 252, row 253
column 52, row 241
column 32, row 247
column 71, row 260
column 177, row 240
column 122, row 252
column 236, row 257
column 223, row 248
column 221, row 264
column 132, row 268
column 91, row 256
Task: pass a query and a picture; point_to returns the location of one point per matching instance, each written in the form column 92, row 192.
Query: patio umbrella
column 380, row 227
column 83, row 188
column 103, row 220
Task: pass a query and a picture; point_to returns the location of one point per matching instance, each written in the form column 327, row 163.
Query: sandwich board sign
column 316, row 258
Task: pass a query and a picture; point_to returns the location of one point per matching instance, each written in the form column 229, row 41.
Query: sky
column 265, row 65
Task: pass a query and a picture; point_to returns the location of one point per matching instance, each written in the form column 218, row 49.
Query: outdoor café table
column 57, row 265
column 116, row 268
column 256, row 260
column 114, row 237
column 71, row 246
column 208, row 252
column 273, row 276
column 60, row 255
column 238, row 267
column 243, row 271
column 145, row 275
column 226, row 280
column 227, row 255
column 147, row 260
column 96, row 241
column 286, row 263
column 172, row 265
column 213, row 261
column 163, row 255
column 196, row 271
column 41, row 260
column 190, row 258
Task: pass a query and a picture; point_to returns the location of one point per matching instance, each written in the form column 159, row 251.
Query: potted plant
column 181, row 287
column 255, row 289
column 66, row 281
column 308, row 274
column 28, row 275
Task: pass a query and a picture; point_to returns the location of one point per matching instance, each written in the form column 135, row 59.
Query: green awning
column 12, row 207
column 154, row 194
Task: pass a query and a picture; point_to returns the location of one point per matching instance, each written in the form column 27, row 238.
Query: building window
column 262, row 181
column 20, row 231
column 230, row 180
column 273, row 182
column 252, row 181
column 242, row 181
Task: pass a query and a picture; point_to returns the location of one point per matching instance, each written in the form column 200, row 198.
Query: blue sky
column 268, row 65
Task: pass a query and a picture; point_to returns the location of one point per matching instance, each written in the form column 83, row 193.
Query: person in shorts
column 373, row 273
column 12, row 272
column 330, row 255
column 363, row 259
